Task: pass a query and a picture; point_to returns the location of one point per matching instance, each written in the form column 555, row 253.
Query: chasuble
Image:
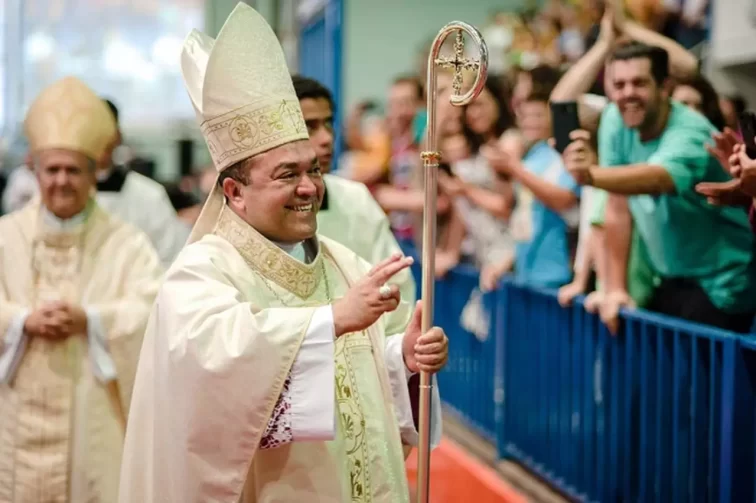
column 351, row 216
column 64, row 402
column 244, row 394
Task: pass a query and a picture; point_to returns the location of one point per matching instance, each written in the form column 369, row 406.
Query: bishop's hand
column 426, row 352
column 78, row 318
column 370, row 297
column 51, row 321
column 56, row 320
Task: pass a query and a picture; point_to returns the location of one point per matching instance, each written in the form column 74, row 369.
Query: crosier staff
column 431, row 159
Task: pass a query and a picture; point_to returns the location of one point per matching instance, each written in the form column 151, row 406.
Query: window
column 128, row 51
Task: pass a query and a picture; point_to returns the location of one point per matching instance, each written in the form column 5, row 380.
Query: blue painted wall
column 320, row 49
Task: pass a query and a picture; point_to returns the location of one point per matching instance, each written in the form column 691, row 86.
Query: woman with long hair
column 482, row 200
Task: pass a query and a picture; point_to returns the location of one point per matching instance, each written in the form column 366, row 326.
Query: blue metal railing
column 663, row 412
column 468, row 396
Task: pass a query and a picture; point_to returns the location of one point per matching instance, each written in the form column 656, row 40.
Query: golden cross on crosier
column 458, row 62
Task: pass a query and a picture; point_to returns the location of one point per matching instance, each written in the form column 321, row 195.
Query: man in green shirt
column 703, row 255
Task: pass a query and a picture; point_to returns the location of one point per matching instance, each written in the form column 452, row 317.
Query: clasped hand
column 56, row 320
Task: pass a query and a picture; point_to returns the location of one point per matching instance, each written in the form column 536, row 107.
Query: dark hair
column 413, row 81
column 113, row 109
column 180, row 200
column 502, row 96
column 658, row 57
column 738, row 103
column 544, row 78
column 237, row 171
column 709, row 98
column 540, row 95
column 311, row 88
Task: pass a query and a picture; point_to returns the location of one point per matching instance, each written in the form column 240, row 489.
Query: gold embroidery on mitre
column 269, row 260
column 252, row 129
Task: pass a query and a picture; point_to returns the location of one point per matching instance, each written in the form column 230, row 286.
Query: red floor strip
column 457, row 477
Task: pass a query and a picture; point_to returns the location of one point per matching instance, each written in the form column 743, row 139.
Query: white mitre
column 242, row 92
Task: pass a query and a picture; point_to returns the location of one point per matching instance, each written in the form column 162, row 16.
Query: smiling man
column 348, row 214
column 277, row 363
column 76, row 286
column 655, row 147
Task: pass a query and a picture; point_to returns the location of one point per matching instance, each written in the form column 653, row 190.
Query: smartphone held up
column 747, row 122
column 564, row 120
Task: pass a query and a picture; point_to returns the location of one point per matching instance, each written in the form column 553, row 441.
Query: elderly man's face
column 283, row 193
column 65, row 181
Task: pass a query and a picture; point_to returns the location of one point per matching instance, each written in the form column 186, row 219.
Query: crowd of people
column 666, row 228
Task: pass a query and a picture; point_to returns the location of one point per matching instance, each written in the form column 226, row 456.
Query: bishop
column 277, row 363
column 76, row 286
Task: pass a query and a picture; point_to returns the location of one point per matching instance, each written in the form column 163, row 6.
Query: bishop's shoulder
column 18, row 225
column 208, row 253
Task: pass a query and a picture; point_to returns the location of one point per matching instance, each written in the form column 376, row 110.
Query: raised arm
column 297, row 416
column 212, row 369
column 581, row 76
column 682, row 63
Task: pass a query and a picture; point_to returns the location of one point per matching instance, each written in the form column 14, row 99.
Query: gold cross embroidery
column 458, row 62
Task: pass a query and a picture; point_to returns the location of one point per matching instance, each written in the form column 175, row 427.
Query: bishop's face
column 65, row 181
column 283, row 194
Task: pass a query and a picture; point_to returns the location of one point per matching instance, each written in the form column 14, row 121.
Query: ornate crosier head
column 458, row 63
